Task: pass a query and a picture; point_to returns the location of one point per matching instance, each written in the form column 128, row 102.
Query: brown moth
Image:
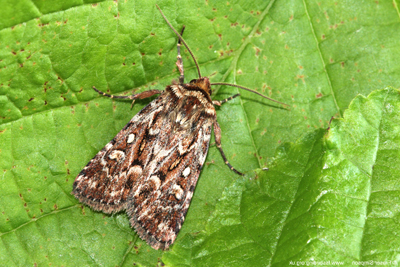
column 150, row 169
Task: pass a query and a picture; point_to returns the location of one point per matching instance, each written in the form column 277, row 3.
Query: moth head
column 203, row 83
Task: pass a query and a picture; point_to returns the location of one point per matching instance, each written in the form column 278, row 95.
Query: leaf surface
column 315, row 57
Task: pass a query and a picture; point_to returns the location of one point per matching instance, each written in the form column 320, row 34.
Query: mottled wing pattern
column 158, row 205
column 106, row 181
column 151, row 167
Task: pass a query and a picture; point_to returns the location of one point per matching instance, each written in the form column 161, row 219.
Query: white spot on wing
column 108, row 146
column 178, row 117
column 135, row 170
column 131, row 138
column 162, row 226
column 177, row 191
column 92, row 184
column 189, row 195
column 186, row 172
column 156, row 181
column 117, row 154
column 154, row 131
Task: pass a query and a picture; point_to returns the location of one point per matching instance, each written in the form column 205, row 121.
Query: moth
column 150, row 169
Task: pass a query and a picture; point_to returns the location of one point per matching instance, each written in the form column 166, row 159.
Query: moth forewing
column 150, row 169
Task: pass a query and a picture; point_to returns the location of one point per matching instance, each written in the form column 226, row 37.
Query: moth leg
column 217, row 134
column 179, row 62
column 141, row 95
column 219, row 103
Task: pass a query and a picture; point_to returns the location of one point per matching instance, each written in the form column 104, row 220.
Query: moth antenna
column 250, row 90
column 180, row 38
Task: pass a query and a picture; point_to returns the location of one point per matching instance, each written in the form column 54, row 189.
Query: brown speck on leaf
column 318, row 95
column 263, row 132
column 342, row 64
column 14, row 53
column 55, row 206
column 300, row 77
column 211, row 162
column 220, row 36
column 323, row 37
column 45, row 102
column 30, row 99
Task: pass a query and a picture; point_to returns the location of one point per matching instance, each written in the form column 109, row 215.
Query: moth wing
column 104, row 184
column 158, row 206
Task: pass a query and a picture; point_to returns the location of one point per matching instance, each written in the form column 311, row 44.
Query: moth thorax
column 203, row 83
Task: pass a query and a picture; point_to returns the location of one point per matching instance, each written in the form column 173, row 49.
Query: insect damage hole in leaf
column 151, row 168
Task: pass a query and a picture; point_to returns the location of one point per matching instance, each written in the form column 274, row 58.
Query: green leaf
column 331, row 197
column 314, row 56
